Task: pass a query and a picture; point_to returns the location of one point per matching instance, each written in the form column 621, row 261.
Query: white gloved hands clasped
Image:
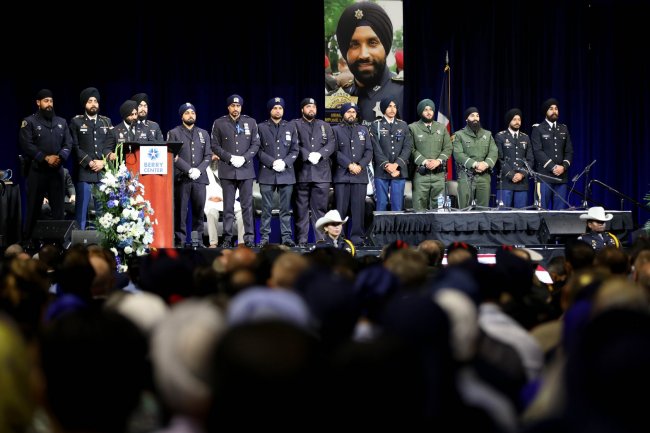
column 194, row 173
column 279, row 165
column 237, row 161
column 314, row 157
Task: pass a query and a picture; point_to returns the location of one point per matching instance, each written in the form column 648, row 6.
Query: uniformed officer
column 596, row 235
column 365, row 36
column 235, row 140
column 190, row 177
column 431, row 150
column 514, row 152
column 353, row 154
column 316, row 146
column 124, row 131
column 391, row 145
column 278, row 154
column 146, row 130
column 46, row 143
column 553, row 155
column 475, row 153
column 331, row 226
column 91, row 146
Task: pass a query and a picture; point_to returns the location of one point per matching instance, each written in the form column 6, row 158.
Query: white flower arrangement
column 125, row 226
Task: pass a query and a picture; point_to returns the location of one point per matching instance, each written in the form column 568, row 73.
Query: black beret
column 127, row 108
column 510, row 114
column 234, row 99
column 547, row 104
column 44, row 93
column 88, row 93
column 307, row 101
column 385, row 102
column 364, row 14
column 469, row 111
column 139, row 97
column 273, row 102
column 186, row 106
column 424, row 104
column 345, row 107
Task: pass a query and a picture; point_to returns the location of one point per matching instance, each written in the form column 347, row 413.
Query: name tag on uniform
column 287, row 136
column 362, row 136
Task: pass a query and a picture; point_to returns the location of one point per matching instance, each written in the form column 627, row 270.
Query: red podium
column 158, row 189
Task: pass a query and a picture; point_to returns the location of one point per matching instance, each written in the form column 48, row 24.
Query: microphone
column 577, row 176
column 195, row 239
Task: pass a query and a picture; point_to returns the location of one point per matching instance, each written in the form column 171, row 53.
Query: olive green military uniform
column 429, row 143
column 469, row 150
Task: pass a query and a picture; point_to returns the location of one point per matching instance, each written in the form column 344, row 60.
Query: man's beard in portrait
column 369, row 78
column 474, row 125
column 189, row 122
column 427, row 119
column 309, row 116
column 350, row 120
column 92, row 111
column 47, row 113
column 553, row 117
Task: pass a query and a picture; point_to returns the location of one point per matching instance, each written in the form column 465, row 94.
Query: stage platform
column 489, row 227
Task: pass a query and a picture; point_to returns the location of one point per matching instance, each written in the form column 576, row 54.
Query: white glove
column 237, row 161
column 314, row 157
column 279, row 165
column 194, row 173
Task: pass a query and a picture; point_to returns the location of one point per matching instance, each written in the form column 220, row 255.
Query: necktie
column 516, row 135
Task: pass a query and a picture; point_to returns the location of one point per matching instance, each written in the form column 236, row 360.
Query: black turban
column 88, row 93
column 511, row 114
column 44, row 93
column 547, row 104
column 127, row 108
column 139, row 97
column 307, row 101
column 385, row 102
column 469, row 111
column 364, row 14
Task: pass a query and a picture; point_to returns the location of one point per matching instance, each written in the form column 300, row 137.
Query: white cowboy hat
column 596, row 213
column 332, row 216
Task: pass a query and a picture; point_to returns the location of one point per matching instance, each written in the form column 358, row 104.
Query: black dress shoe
column 249, row 244
column 302, row 245
column 226, row 244
column 289, row 243
column 262, row 244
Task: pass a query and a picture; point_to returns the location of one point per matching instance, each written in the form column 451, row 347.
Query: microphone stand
column 620, row 194
column 500, row 205
column 540, row 177
column 586, row 196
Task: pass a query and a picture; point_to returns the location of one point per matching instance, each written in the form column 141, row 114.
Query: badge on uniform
column 362, row 135
column 484, row 137
column 201, row 137
column 287, row 136
column 438, row 132
column 22, row 125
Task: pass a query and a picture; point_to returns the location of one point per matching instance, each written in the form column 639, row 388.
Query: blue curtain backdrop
column 588, row 55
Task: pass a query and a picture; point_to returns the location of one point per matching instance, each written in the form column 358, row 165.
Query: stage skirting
column 490, row 227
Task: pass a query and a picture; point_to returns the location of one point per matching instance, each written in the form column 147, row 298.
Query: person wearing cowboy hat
column 596, row 235
column 331, row 225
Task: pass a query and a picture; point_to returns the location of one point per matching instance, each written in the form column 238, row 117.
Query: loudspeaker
column 559, row 228
column 54, row 232
column 85, row 237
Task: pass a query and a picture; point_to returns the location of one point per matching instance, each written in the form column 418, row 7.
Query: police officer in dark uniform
column 353, row 154
column 596, row 235
column 514, row 148
column 316, row 146
column 553, row 155
column 46, row 143
column 125, row 131
column 90, row 132
column 146, row 130
column 236, row 141
column 190, row 177
column 278, row 153
column 392, row 144
column 365, row 36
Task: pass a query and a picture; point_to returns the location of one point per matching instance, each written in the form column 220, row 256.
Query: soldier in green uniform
column 431, row 149
column 475, row 153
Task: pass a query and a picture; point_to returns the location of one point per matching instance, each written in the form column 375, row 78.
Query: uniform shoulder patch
column 78, row 116
column 501, row 132
column 23, row 124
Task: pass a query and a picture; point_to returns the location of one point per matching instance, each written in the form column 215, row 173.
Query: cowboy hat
column 330, row 217
column 596, row 213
